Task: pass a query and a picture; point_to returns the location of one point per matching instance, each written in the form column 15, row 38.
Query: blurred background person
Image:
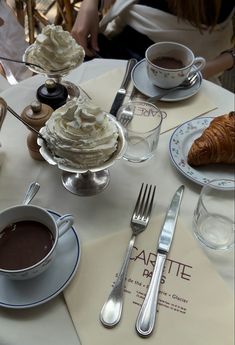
column 129, row 27
column 12, row 43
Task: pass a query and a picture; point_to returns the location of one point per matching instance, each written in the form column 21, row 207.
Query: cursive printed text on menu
column 171, row 295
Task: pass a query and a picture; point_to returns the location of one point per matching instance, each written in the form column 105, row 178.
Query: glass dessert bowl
column 57, row 75
column 55, row 53
column 86, row 181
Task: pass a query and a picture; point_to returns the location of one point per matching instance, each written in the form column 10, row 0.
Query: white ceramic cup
column 34, row 213
column 214, row 216
column 166, row 77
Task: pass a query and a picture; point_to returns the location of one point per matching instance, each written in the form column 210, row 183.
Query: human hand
column 85, row 29
column 218, row 65
column 107, row 4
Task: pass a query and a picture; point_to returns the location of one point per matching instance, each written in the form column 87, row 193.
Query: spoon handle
column 162, row 93
column 24, row 122
column 19, row 61
column 188, row 83
column 31, row 192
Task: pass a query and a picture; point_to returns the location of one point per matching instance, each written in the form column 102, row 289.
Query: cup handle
column 199, row 64
column 64, row 223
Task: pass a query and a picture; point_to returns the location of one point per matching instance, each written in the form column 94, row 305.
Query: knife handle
column 130, row 64
column 147, row 315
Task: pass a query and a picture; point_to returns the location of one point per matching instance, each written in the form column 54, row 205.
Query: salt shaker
column 36, row 114
column 52, row 93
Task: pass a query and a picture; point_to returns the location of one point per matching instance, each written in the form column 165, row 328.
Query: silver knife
column 120, row 95
column 147, row 315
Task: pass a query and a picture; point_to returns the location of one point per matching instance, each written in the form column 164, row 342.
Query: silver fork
column 126, row 117
column 112, row 309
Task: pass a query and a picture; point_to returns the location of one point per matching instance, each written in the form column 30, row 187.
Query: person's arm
column 2, row 72
column 223, row 62
column 85, row 28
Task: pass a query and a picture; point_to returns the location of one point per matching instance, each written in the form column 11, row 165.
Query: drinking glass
column 214, row 222
column 142, row 130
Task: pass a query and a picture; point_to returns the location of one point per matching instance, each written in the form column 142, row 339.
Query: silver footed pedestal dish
column 87, row 182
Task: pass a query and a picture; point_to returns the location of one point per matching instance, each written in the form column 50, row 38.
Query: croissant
column 216, row 144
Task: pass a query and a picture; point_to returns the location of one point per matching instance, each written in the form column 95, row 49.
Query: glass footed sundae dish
column 83, row 141
column 55, row 53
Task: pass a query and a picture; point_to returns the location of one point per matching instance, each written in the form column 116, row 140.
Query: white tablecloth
column 95, row 216
column 3, row 83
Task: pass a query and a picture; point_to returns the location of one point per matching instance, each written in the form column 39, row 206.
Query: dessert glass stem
column 87, row 183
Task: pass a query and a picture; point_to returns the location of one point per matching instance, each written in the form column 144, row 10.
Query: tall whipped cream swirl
column 80, row 135
column 56, row 49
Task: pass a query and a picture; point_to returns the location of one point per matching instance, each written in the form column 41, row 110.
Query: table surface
column 50, row 323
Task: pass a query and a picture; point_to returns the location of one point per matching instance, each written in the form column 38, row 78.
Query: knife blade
column 121, row 93
column 146, row 318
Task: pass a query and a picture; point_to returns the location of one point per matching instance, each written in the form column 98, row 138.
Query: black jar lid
column 52, row 94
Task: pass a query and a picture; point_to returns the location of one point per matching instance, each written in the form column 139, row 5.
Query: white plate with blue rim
column 179, row 145
column 143, row 84
column 22, row 294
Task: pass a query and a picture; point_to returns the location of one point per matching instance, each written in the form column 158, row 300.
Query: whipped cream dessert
column 56, row 49
column 80, row 135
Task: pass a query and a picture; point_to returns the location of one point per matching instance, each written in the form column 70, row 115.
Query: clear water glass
column 214, row 216
column 143, row 131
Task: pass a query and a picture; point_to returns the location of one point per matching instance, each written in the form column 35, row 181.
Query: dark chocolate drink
column 23, row 244
column 168, row 62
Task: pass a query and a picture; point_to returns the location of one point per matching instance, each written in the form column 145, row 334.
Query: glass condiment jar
column 36, row 114
column 52, row 93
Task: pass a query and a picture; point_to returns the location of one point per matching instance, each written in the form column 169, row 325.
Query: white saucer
column 179, row 145
column 30, row 293
column 143, row 84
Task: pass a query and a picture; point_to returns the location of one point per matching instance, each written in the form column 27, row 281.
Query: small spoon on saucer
column 31, row 192
column 189, row 82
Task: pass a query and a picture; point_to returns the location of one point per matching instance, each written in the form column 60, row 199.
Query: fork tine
column 147, row 204
column 150, row 206
column 125, row 117
column 124, row 121
column 137, row 205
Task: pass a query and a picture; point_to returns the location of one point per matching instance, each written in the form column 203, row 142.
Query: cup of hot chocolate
column 28, row 239
column 169, row 63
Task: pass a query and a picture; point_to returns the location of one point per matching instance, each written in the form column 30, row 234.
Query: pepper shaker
column 36, row 114
column 52, row 93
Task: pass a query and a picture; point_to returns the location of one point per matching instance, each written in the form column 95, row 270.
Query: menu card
column 102, row 91
column 195, row 306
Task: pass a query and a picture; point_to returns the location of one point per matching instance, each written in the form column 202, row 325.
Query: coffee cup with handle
column 170, row 63
column 28, row 240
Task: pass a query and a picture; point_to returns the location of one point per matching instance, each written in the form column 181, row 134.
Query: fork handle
column 147, row 315
column 111, row 311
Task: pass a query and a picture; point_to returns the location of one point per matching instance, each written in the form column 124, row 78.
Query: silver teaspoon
column 31, row 192
column 189, row 82
column 31, row 64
